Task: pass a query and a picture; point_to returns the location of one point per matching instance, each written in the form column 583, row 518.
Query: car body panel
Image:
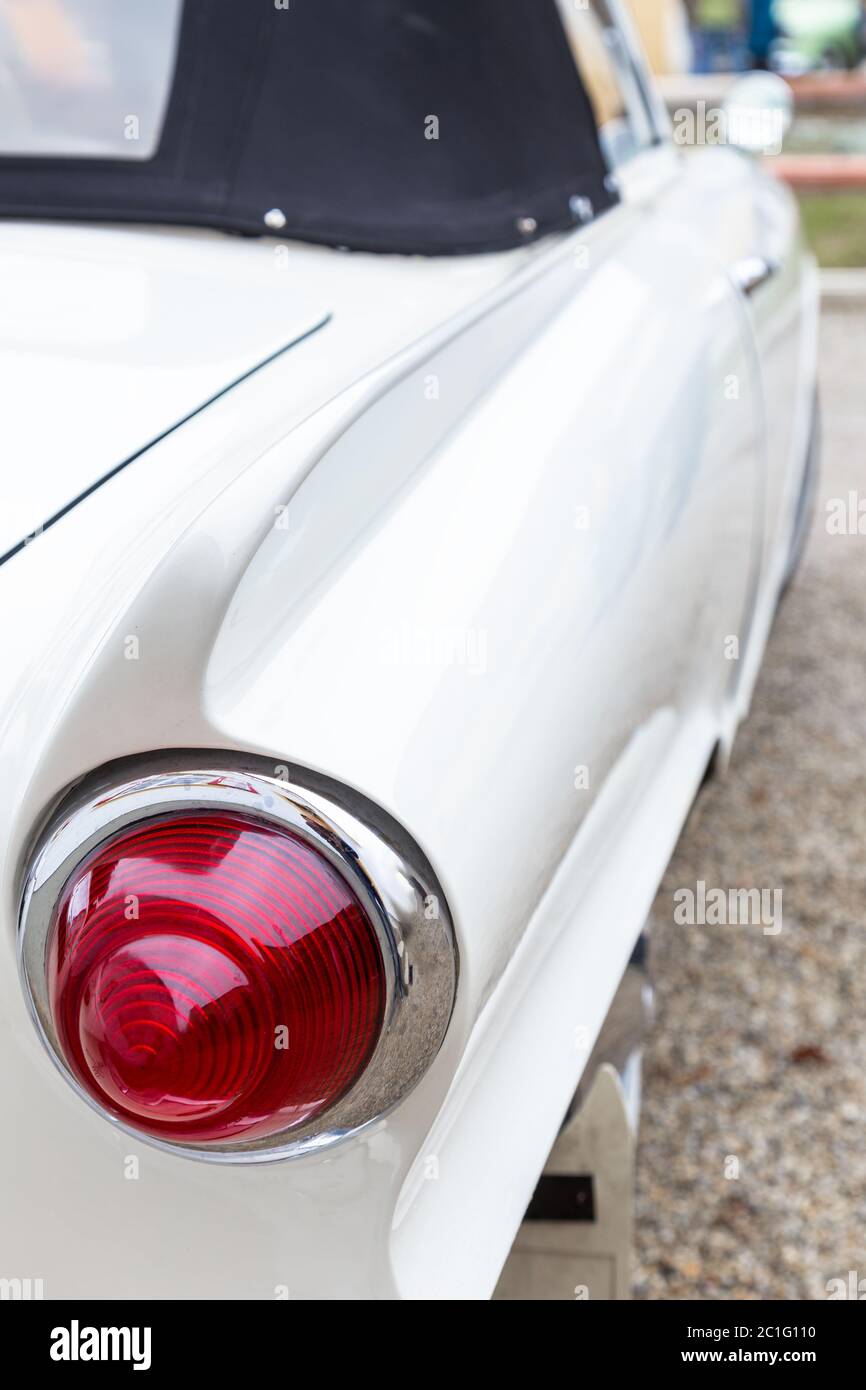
column 369, row 559
column 107, row 342
column 478, row 673
column 740, row 214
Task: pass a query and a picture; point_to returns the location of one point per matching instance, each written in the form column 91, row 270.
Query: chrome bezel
column 384, row 868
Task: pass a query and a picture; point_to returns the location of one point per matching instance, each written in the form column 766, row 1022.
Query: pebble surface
column 751, row 1170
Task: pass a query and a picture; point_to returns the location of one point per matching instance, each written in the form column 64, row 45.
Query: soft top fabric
column 428, row 126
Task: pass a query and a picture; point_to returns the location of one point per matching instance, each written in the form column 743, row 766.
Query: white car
column 405, row 448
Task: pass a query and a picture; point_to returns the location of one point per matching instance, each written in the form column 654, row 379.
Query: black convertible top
column 323, row 114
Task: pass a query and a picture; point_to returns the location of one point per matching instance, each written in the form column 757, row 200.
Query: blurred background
column 699, row 47
column 758, row 1056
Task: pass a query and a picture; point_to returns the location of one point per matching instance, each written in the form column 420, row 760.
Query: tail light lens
column 212, row 976
column 232, row 963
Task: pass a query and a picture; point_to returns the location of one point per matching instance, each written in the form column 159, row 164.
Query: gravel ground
column 758, row 1058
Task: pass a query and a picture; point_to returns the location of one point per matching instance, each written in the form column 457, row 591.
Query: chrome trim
column 752, row 272
column 367, row 847
column 647, row 114
column 621, row 1040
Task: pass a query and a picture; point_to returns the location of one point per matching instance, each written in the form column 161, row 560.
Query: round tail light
column 231, row 964
column 212, row 976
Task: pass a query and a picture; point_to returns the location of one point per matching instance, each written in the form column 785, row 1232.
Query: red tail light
column 232, row 963
column 211, row 976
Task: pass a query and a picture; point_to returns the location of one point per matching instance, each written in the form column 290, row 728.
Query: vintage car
column 406, row 447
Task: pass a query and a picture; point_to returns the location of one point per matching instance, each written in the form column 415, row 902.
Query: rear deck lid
column 110, row 338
